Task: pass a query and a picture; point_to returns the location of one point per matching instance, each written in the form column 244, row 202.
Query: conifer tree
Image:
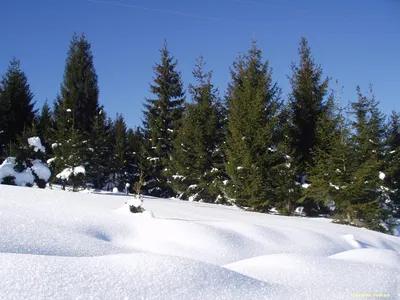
column 45, row 127
column 70, row 149
column 368, row 202
column 16, row 106
column 100, row 149
column 197, row 164
column 162, row 119
column 307, row 104
column 253, row 109
column 392, row 159
column 79, row 90
column 134, row 156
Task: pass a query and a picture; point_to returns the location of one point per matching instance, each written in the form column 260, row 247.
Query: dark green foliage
column 347, row 166
column 79, row 90
column 306, row 103
column 45, row 127
column 162, row 119
column 71, row 147
column 100, row 150
column 197, row 161
column 119, row 140
column 16, row 106
column 253, row 109
column 392, row 158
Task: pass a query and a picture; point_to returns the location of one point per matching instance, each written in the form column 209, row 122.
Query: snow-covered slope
column 63, row 245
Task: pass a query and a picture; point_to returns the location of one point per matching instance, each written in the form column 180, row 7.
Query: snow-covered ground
column 64, row 245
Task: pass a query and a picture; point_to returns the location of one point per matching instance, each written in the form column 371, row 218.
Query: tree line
column 251, row 146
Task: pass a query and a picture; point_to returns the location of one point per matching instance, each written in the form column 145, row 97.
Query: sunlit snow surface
column 64, row 245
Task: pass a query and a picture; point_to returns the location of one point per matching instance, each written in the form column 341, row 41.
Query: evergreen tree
column 162, row 119
column 70, row 149
column 197, row 164
column 306, row 102
column 253, row 109
column 392, row 158
column 79, row 90
column 333, row 167
column 100, row 149
column 16, row 106
column 76, row 108
column 133, row 165
column 119, row 140
column 45, row 127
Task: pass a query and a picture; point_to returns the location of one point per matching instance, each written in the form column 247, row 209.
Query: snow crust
column 62, row 245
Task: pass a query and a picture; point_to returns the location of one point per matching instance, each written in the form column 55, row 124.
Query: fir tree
column 197, row 164
column 100, row 150
column 134, row 156
column 16, row 106
column 162, row 119
column 120, row 142
column 79, row 90
column 306, row 102
column 253, row 108
column 368, row 202
column 392, row 158
column 45, row 126
column 70, row 149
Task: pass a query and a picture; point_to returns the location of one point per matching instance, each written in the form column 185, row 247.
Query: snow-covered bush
column 73, row 176
column 27, row 167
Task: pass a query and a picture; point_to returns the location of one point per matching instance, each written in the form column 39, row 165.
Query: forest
column 249, row 145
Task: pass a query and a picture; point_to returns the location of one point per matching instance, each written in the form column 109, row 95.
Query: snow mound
column 129, row 276
column 58, row 245
column 319, row 277
column 379, row 257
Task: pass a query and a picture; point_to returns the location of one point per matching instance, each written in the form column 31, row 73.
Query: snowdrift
column 63, row 245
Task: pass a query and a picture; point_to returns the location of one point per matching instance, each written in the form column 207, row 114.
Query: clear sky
column 355, row 41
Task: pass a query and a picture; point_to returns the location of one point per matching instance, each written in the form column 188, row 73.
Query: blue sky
column 355, row 41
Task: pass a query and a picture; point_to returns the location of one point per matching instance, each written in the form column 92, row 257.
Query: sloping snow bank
column 62, row 245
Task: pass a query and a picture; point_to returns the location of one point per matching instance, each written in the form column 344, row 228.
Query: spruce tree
column 79, row 90
column 253, row 108
column 197, row 164
column 392, row 159
column 307, row 104
column 333, row 167
column 76, row 108
column 162, row 119
column 100, row 149
column 70, row 148
column 368, row 203
column 133, row 165
column 119, row 139
column 45, row 127
column 16, row 106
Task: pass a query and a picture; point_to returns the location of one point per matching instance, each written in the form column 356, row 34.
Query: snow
column 62, row 245
column 50, row 160
column 305, row 185
column 54, row 145
column 382, row 175
column 25, row 177
column 334, row 186
column 41, row 170
column 67, row 173
column 36, row 144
